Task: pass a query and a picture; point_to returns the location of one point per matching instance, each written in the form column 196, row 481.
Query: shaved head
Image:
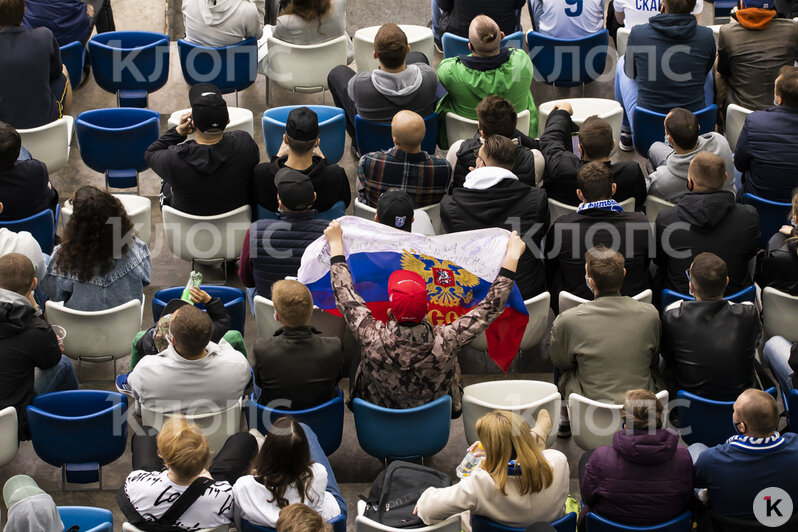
column 484, row 35
column 16, row 273
column 408, row 130
column 758, row 411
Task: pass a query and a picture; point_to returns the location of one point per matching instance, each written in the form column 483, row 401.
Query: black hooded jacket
column 329, row 182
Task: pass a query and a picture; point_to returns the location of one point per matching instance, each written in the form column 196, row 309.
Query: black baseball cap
column 295, row 189
column 395, row 209
column 208, row 108
column 302, row 124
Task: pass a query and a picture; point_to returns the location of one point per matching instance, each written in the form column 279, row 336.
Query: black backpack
column 396, row 490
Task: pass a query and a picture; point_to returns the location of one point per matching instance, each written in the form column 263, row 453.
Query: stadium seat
column 594, row 423
column 364, row 524
column 418, row 37
column 332, row 129
column 50, row 143
column 735, row 120
column 745, row 295
column 217, row 425
column 460, row 128
column 723, row 8
column 433, row 213
column 772, row 215
column 130, row 64
column 479, row 523
column 240, row 120
column 326, row 420
column 338, row 525
column 568, row 62
column 206, row 239
column 683, row 523
column 73, row 55
column 649, row 126
column 113, row 142
column 538, row 309
column 329, row 324
column 557, row 208
column 789, row 399
column 778, row 314
column 524, row 397
column 79, row 431
column 567, row 300
column 621, row 38
column 205, row 64
column 583, row 108
column 404, row 434
column 139, row 208
column 9, row 437
column 234, row 299
column 41, row 225
column 303, row 68
column 704, row 420
column 98, row 336
column 454, row 45
column 376, row 136
column 86, row 518
column 654, row 206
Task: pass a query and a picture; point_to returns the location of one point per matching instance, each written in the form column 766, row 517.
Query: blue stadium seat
column 568, row 62
column 375, row 136
column 79, row 431
column 790, row 400
column 332, row 129
column 73, row 56
column 234, row 299
column 231, row 68
column 649, row 126
column 454, row 45
column 41, row 225
column 772, row 215
column 86, row 518
column 130, row 64
column 326, row 420
column 566, row 523
column 403, row 433
column 683, row 523
column 669, row 297
column 704, row 420
column 113, row 142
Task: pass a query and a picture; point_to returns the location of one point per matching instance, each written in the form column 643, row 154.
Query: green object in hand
column 194, row 280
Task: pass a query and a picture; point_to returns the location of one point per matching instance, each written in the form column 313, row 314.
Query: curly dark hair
column 284, row 460
column 307, row 10
column 87, row 248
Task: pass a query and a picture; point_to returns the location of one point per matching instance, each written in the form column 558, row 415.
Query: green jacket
column 468, row 79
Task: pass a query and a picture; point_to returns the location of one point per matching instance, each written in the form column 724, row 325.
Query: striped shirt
column 425, row 177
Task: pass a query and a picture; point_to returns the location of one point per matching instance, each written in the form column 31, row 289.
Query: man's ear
column 727, row 281
column 580, row 196
column 35, row 283
column 374, row 54
column 318, row 141
column 376, row 219
column 1, row 207
column 614, row 189
column 582, row 152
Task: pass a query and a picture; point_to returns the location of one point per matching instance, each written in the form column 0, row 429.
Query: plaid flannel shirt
column 425, row 177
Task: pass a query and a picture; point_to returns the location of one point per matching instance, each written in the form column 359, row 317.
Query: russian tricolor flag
column 458, row 269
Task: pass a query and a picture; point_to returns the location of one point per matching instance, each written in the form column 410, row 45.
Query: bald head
column 16, row 273
column 707, row 171
column 756, row 413
column 408, row 131
column 484, row 36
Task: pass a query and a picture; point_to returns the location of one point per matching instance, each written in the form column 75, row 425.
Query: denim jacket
column 124, row 282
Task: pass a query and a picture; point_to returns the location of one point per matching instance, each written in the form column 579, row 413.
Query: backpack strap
column 184, row 502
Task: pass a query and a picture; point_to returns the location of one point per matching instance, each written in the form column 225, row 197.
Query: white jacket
column 222, row 22
column 23, row 243
column 477, row 494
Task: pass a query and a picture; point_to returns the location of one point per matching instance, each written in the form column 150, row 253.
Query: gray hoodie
column 669, row 181
column 37, row 513
column 379, row 94
column 222, row 22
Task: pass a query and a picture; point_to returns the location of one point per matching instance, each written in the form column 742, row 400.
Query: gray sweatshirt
column 379, row 94
column 669, row 181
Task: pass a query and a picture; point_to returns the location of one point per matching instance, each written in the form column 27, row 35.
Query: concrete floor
column 354, row 469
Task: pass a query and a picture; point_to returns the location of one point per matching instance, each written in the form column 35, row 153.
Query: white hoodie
column 24, row 244
column 37, row 513
column 223, row 22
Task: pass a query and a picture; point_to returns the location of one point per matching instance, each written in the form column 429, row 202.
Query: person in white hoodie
column 291, row 467
column 671, row 161
column 24, row 244
column 29, row 507
column 218, row 23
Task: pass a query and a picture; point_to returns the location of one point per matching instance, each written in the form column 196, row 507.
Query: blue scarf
column 607, row 205
column 756, row 445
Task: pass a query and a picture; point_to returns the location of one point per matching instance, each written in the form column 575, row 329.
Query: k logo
column 772, row 507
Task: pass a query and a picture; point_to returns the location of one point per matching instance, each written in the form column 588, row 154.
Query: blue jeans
column 626, row 92
column 317, row 455
column 59, row 378
column 777, row 355
column 695, row 450
column 436, row 18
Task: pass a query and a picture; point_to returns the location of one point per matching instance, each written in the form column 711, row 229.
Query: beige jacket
column 477, row 494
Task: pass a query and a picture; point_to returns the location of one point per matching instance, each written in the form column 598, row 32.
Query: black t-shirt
column 25, row 190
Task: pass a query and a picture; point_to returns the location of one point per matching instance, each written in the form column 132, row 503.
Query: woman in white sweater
column 531, row 490
column 290, row 467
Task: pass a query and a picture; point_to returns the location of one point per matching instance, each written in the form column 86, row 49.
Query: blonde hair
column 183, row 447
column 292, row 302
column 504, row 436
column 642, row 409
column 299, row 517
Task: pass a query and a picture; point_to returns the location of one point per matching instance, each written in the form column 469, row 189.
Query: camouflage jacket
column 406, row 366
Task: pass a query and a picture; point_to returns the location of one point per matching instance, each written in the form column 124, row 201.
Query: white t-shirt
column 152, row 493
column 251, row 498
column 639, row 11
column 568, row 19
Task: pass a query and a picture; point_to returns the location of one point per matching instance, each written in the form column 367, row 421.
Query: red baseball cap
column 407, row 293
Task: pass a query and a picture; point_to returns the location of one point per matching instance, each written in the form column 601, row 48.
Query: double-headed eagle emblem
column 448, row 285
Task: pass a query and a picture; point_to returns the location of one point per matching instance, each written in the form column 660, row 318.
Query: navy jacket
column 643, row 479
column 67, row 19
column 691, row 53
column 458, row 14
column 25, row 190
column 767, row 153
